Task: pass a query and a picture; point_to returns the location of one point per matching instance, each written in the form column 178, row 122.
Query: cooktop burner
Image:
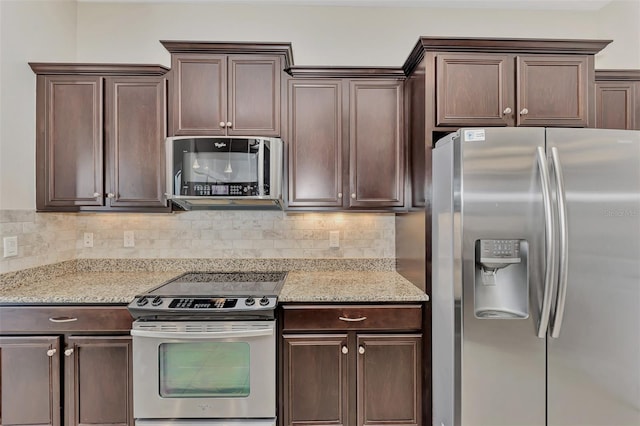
column 215, row 294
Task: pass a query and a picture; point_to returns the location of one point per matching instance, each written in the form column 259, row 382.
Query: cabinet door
column 199, row 94
column 135, row 133
column 315, row 380
column 315, row 148
column 254, row 95
column 474, row 90
column 615, row 107
column 389, row 379
column 552, row 91
column 30, row 381
column 98, row 381
column 376, row 144
column 69, row 142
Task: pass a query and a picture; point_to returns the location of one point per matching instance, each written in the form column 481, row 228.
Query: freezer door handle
column 549, row 242
column 563, row 243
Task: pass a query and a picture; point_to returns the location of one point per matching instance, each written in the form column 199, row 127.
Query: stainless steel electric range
column 204, row 350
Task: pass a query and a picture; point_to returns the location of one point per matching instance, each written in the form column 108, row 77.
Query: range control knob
column 264, row 301
column 250, row 301
column 157, row 301
column 142, row 301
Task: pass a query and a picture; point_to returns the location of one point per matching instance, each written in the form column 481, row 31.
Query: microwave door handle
column 203, row 335
column 549, row 242
column 563, row 271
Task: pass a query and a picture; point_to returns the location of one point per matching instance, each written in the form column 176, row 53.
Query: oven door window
column 204, row 369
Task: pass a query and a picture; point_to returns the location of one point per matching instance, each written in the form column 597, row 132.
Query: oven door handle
column 202, row 335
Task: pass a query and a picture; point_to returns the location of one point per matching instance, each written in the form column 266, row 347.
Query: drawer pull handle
column 51, row 352
column 361, row 350
column 68, row 352
column 352, row 319
column 63, row 319
column 345, row 350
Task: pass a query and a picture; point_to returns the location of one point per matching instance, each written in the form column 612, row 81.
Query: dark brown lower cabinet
column 30, row 380
column 361, row 375
column 77, row 377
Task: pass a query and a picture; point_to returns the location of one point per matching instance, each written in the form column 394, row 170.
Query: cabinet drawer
column 352, row 317
column 52, row 319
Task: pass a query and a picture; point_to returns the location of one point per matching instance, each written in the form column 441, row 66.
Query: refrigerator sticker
column 474, row 135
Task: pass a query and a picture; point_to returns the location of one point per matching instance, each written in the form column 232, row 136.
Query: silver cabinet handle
column 352, row 319
column 524, row 111
column 353, row 195
column 68, row 352
column 361, row 350
column 345, row 350
column 97, row 194
column 550, row 245
column 222, row 124
column 507, row 110
column 63, row 319
column 229, row 124
column 563, row 244
column 51, row 352
column 111, row 195
column 339, row 194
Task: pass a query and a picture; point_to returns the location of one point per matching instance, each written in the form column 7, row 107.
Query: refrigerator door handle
column 563, row 270
column 550, row 244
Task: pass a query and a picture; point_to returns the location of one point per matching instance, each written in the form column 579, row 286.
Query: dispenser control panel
column 502, row 250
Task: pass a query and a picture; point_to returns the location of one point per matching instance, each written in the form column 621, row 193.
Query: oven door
column 204, row 369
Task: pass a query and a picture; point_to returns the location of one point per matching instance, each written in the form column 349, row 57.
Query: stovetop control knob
column 264, row 301
column 142, row 301
column 250, row 301
column 156, row 301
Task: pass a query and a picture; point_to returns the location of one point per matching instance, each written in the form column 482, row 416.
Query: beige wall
column 30, row 31
column 341, row 35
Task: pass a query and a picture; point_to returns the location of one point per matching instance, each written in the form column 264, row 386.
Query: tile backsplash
column 51, row 237
column 43, row 238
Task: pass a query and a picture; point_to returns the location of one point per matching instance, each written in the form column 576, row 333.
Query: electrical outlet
column 10, row 246
column 129, row 240
column 334, row 239
column 88, row 239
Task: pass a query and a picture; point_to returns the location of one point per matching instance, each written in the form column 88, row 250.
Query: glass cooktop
column 222, row 284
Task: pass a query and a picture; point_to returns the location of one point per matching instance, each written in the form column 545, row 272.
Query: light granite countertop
column 91, row 284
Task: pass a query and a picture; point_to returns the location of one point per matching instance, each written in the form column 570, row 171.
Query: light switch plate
column 10, row 246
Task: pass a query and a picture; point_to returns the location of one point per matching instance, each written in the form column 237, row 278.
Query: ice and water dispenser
column 501, row 279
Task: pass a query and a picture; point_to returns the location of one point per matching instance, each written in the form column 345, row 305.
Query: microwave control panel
column 207, row 189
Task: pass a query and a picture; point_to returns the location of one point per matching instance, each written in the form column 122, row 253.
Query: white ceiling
column 455, row 4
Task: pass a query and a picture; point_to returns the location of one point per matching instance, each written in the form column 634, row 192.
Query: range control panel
column 151, row 303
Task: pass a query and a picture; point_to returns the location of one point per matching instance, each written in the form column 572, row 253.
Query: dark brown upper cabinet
column 618, row 99
column 226, row 89
column 512, row 90
column 346, row 139
column 100, row 133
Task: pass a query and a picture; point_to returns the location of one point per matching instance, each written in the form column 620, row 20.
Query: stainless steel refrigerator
column 536, row 277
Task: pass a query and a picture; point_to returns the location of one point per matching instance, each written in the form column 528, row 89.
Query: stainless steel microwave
column 206, row 172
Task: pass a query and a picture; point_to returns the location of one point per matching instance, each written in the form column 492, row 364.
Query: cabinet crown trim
column 617, row 75
column 97, row 69
column 502, row 45
column 226, row 48
column 345, row 72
